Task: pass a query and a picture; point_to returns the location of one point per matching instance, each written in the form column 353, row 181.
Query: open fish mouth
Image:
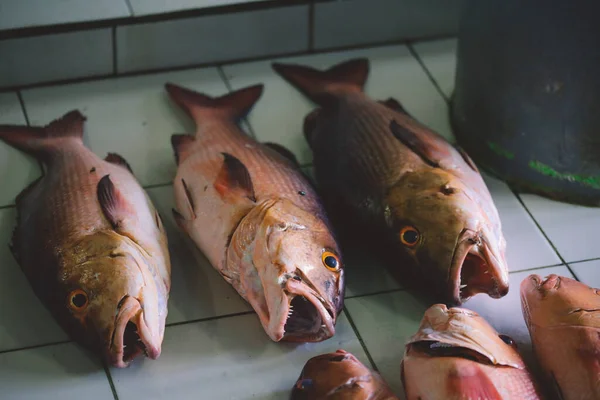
column 308, row 318
column 130, row 336
column 476, row 270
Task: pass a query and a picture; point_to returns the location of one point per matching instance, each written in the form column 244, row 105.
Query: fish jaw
column 477, row 268
column 131, row 335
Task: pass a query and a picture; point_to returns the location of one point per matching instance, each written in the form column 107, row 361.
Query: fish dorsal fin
column 394, row 104
column 234, row 179
column 319, row 86
column 180, row 143
column 284, row 152
column 430, row 151
column 38, row 141
column 232, row 106
column 113, row 204
column 467, row 158
column 471, row 383
column 116, row 159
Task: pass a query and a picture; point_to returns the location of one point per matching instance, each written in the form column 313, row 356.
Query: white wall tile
column 212, row 38
column 148, row 7
column 17, row 170
column 588, row 272
column 28, row 13
column 55, row 57
column 439, row 57
column 356, row 22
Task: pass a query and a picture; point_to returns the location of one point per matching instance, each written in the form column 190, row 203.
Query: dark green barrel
column 526, row 104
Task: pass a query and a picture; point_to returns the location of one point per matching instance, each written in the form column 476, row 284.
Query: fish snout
column 550, row 283
column 132, row 336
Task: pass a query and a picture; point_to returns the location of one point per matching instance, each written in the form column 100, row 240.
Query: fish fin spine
column 232, row 106
column 318, row 85
column 234, row 177
column 179, row 143
column 283, row 151
column 117, row 159
column 37, row 140
column 111, row 201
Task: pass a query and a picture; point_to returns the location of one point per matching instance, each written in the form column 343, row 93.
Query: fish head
column 559, row 301
column 112, row 301
column 459, row 332
column 337, row 375
column 442, row 225
column 301, row 274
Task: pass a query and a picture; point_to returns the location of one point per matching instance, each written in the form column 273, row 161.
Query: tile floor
column 214, row 346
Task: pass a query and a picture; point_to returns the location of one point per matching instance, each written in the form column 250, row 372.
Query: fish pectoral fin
column 429, row 151
column 190, row 199
column 180, row 142
column 112, row 203
column 179, row 219
column 395, row 105
column 116, row 159
column 234, row 179
column 284, row 152
column 467, row 158
column 471, row 383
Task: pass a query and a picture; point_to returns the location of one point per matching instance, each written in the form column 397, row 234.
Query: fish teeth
column 463, row 286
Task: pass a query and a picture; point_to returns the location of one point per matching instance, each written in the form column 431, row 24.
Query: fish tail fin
column 232, row 106
column 39, row 141
column 320, row 86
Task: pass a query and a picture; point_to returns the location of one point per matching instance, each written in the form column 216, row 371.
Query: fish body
column 457, row 355
column 249, row 209
column 91, row 243
column 339, row 376
column 404, row 182
column 563, row 318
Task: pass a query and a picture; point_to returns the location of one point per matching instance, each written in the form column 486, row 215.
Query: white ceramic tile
column 55, row 57
column 572, row 229
column 28, row 13
column 526, row 246
column 55, row 372
column 131, row 116
column 279, row 114
column 197, row 289
column 356, row 22
column 227, row 358
column 24, row 319
column 212, row 38
column 386, row 321
column 148, row 7
column 17, row 170
column 588, row 272
column 439, row 56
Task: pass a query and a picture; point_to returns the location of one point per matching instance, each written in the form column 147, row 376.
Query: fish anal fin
column 471, row 383
column 116, row 159
column 427, row 151
column 234, row 179
column 113, row 205
column 231, row 106
column 467, row 158
column 180, row 143
column 283, row 151
column 394, row 104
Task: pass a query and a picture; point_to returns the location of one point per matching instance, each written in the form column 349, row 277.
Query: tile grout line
column 416, row 55
column 37, row 346
column 114, row 50
column 110, row 381
column 230, row 88
column 129, row 7
column 311, row 27
column 545, row 235
column 207, row 319
column 23, row 109
column 360, row 339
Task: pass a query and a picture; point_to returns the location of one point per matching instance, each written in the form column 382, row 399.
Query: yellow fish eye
column 330, row 261
column 78, row 300
column 409, row 236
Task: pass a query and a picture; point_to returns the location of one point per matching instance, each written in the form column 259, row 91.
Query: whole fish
column 341, row 376
column 249, row 209
column 563, row 317
column 91, row 243
column 407, row 184
column 456, row 355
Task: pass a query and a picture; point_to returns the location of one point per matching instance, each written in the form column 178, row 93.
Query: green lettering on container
column 591, row 181
column 500, row 151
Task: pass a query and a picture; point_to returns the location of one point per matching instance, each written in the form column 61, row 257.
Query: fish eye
column 507, row 339
column 409, row 236
column 304, row 384
column 331, row 261
column 78, row 300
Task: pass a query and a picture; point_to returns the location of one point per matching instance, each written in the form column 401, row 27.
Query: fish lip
column 473, row 243
column 295, row 288
column 130, row 310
